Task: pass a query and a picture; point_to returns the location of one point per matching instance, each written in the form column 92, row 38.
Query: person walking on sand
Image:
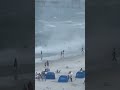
column 41, row 55
column 114, row 55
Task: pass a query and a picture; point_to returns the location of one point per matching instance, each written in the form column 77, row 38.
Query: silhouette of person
column 81, row 69
column 63, row 53
column 114, row 55
column 41, row 55
column 47, row 63
column 82, row 49
column 15, row 63
column 15, row 69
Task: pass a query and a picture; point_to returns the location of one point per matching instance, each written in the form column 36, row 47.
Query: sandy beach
column 73, row 63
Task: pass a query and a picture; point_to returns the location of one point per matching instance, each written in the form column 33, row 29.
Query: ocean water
column 59, row 27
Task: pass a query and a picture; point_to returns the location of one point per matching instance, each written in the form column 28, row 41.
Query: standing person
column 41, row 55
column 15, row 69
column 71, row 75
column 82, row 50
column 114, row 55
column 63, row 53
column 15, row 64
column 47, row 63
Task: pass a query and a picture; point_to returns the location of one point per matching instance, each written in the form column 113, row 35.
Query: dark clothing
column 81, row 69
column 41, row 52
column 63, row 53
column 30, row 86
column 47, row 63
column 71, row 79
column 15, row 63
column 41, row 55
column 114, row 55
column 15, row 69
column 82, row 49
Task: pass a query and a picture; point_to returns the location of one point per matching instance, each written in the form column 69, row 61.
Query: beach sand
column 73, row 63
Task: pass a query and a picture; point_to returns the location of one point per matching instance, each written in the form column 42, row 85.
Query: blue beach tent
column 50, row 75
column 80, row 74
column 63, row 78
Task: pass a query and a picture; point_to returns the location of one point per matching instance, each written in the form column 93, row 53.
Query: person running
column 114, row 55
column 41, row 55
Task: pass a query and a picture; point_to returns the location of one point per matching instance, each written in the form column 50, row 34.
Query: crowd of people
column 41, row 76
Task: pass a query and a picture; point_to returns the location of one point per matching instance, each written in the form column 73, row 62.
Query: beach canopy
column 63, row 78
column 80, row 74
column 50, row 75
